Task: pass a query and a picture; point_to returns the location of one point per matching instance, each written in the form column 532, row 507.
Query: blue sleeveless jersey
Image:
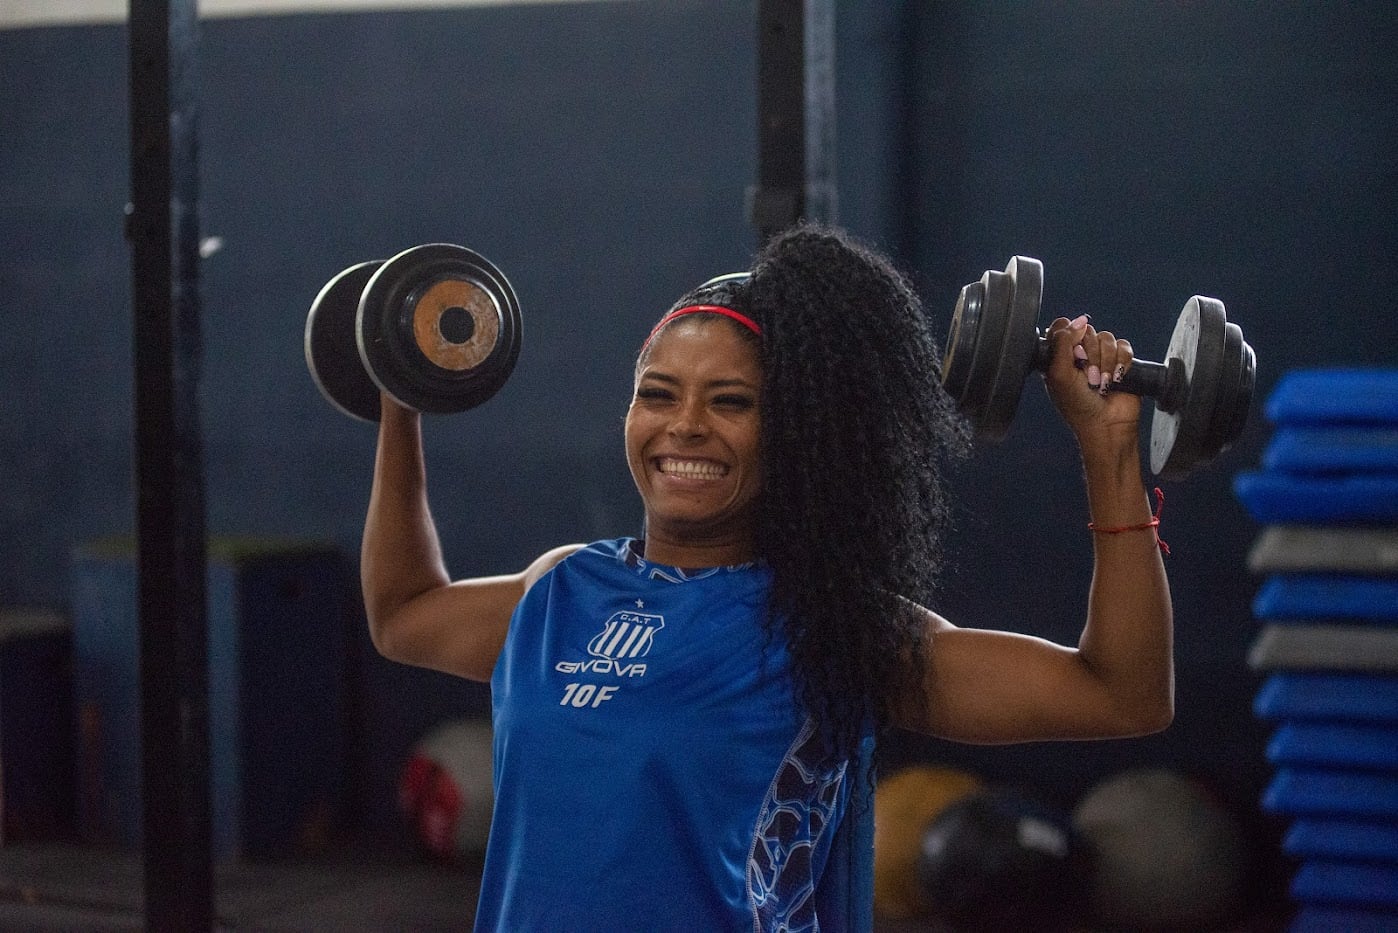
column 653, row 769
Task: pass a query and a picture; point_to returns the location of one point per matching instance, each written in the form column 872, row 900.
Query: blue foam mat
column 1333, row 449
column 1343, row 840
column 1334, row 395
column 1317, row 792
column 1309, row 595
column 1304, row 696
column 1313, row 919
column 1346, row 883
column 1333, row 745
column 1279, row 498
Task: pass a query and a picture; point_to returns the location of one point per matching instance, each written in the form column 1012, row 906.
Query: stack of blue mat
column 1327, row 495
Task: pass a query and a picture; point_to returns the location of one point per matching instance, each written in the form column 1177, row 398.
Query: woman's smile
column 690, row 470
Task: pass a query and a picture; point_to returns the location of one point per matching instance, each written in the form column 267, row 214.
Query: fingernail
column 1118, row 372
column 1079, row 321
column 1094, row 376
column 1079, row 352
column 1106, row 384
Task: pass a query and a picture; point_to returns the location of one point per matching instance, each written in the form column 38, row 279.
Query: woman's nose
column 689, row 421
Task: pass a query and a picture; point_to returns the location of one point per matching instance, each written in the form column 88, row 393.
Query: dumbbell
column 1202, row 392
column 437, row 327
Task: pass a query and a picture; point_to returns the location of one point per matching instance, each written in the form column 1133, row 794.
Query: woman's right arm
column 417, row 615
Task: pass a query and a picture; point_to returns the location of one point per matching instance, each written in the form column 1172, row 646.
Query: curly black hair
column 856, row 435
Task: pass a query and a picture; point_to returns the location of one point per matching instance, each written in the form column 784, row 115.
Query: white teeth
column 692, row 469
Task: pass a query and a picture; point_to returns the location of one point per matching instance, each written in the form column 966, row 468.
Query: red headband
column 742, row 319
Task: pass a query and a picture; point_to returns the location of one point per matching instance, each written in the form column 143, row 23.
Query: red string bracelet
column 1153, row 523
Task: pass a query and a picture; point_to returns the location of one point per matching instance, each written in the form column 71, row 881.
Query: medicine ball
column 446, row 789
column 904, row 803
column 1001, row 860
column 1168, row 853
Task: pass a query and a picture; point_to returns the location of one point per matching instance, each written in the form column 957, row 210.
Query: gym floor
column 84, row 890
column 78, row 889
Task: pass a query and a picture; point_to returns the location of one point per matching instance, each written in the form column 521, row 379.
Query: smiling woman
column 677, row 715
column 692, row 436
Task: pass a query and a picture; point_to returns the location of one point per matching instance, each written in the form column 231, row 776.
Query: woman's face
column 692, row 435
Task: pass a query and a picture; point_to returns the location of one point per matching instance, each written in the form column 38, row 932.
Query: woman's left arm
column 991, row 686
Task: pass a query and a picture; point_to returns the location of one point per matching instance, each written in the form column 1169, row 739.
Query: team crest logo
column 626, row 635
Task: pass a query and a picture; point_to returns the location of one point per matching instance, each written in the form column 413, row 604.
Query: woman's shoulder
column 609, row 549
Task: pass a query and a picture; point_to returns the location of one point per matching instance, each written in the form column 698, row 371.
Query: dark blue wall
column 599, row 154
column 1147, row 152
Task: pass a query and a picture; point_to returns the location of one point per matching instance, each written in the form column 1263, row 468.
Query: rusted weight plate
column 439, row 328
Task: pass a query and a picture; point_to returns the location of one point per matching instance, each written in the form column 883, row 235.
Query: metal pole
column 163, row 228
column 795, row 115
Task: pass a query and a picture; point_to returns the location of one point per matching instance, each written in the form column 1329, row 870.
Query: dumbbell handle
column 1166, row 383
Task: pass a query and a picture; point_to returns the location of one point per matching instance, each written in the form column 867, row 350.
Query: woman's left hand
column 1085, row 366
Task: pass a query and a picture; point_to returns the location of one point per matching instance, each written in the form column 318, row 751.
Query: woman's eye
column 739, row 402
column 652, row 394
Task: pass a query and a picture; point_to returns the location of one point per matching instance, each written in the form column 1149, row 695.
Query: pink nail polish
column 1094, row 376
column 1079, row 321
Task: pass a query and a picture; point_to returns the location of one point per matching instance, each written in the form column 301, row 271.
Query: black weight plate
column 1230, row 384
column 961, row 340
column 990, row 338
column 332, row 352
column 439, row 328
column 1226, row 395
column 1247, row 384
column 1177, row 439
column 1025, row 279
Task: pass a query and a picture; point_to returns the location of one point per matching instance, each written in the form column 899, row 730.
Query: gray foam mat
column 1307, row 646
column 1309, row 548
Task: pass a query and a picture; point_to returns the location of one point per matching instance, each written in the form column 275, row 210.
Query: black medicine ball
column 999, row 860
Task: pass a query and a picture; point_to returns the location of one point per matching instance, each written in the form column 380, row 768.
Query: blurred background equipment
column 1167, row 853
column 1001, row 859
column 904, row 803
column 446, row 789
